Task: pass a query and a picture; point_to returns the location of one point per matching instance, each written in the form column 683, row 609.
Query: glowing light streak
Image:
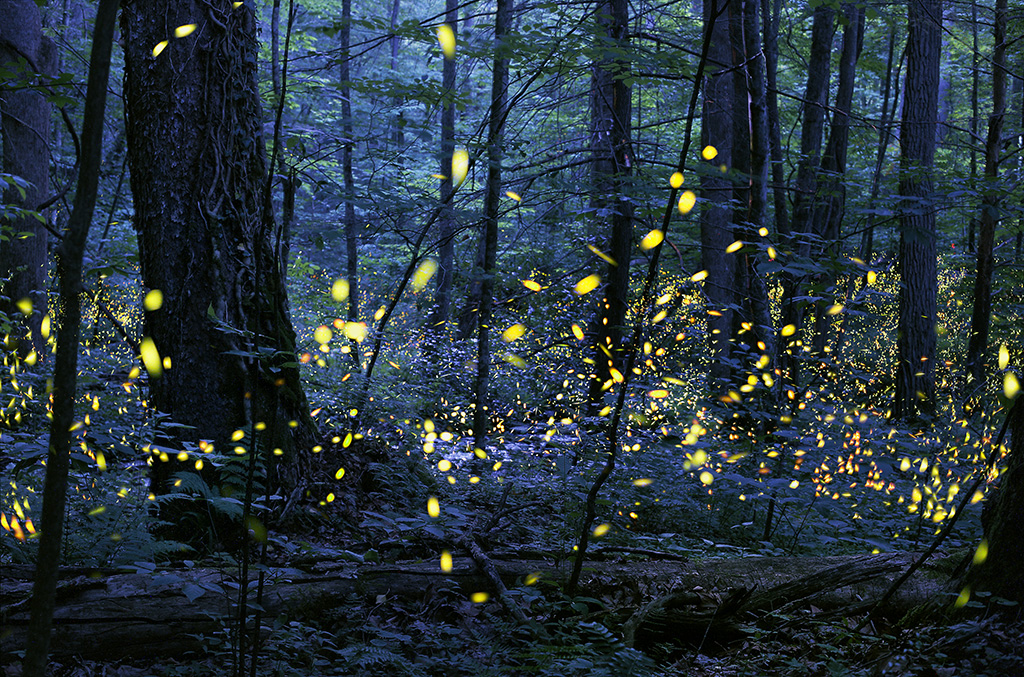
column 652, row 239
column 446, row 38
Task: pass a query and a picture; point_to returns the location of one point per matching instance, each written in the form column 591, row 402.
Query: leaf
column 193, row 591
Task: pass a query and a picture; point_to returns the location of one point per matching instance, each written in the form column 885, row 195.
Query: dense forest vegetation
column 512, row 338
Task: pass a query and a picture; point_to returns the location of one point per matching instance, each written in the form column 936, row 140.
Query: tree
column 446, row 223
column 811, row 132
column 916, row 339
column 982, row 309
column 610, row 138
column 752, row 327
column 69, row 272
column 351, row 239
column 201, row 199
column 25, row 126
column 492, row 204
column 829, row 211
column 716, row 188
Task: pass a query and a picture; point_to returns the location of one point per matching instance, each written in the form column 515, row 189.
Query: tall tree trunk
column 205, row 226
column 815, row 99
column 770, row 21
column 867, row 241
column 975, row 114
column 25, row 127
column 398, row 122
column 438, row 318
column 351, row 238
column 492, row 200
column 69, row 274
column 275, row 50
column 915, row 377
column 829, row 210
column 982, row 310
column 717, row 190
column 753, row 330
column 610, row 143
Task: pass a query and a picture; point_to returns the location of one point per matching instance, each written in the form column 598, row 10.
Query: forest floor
column 439, row 629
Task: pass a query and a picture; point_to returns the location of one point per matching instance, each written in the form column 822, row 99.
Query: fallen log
column 113, row 614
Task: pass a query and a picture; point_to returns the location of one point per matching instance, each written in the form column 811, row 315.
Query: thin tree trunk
column 829, row 211
column 492, row 200
column 884, row 135
column 69, row 274
column 351, row 238
column 275, row 49
column 975, row 114
column 915, row 378
column 438, row 318
column 815, row 99
column 982, row 311
column 398, row 122
column 770, row 20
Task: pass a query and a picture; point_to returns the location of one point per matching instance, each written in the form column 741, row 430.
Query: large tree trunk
column 716, row 189
column 915, row 377
column 982, row 310
column 198, row 172
column 610, row 138
column 25, row 125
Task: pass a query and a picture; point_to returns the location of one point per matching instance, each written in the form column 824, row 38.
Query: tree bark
column 811, row 132
column 752, row 326
column 351, row 237
column 992, row 197
column 438, row 319
column 25, row 127
column 198, row 173
column 492, row 204
column 717, row 190
column 867, row 242
column 829, row 210
column 915, row 378
column 770, row 21
column 69, row 274
column 610, row 143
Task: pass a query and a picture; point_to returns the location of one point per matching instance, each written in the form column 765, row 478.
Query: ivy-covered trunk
column 205, row 229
